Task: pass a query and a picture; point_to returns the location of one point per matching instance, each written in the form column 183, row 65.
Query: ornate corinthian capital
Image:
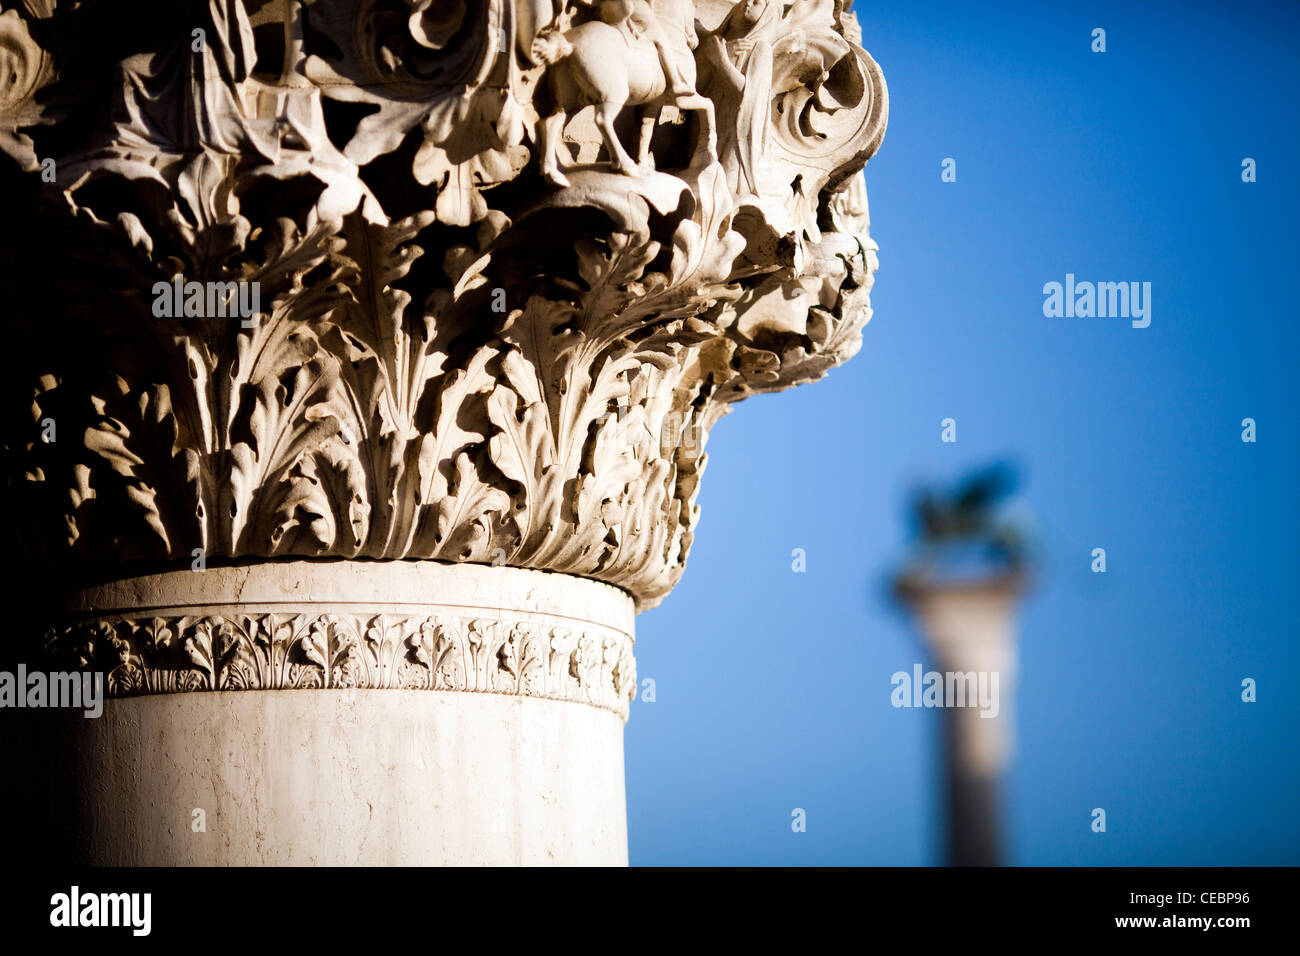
column 460, row 280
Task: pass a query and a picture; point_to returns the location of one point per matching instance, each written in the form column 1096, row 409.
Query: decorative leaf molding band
column 375, row 279
column 434, row 650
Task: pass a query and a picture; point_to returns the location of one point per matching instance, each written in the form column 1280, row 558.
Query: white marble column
column 363, row 378
column 970, row 628
column 356, row 713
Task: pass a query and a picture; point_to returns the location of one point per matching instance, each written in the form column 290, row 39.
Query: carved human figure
column 740, row 52
column 632, row 54
column 641, row 21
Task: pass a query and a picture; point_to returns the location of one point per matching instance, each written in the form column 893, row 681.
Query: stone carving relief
column 464, row 280
column 440, row 651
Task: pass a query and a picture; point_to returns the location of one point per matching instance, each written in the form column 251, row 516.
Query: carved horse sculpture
column 603, row 63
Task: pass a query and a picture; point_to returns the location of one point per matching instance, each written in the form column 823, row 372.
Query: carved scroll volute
column 809, row 104
column 25, row 67
column 372, row 278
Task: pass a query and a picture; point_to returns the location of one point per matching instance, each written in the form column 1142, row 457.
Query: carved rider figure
column 639, row 19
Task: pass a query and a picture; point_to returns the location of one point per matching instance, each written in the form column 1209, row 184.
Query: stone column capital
column 373, row 345
column 362, row 279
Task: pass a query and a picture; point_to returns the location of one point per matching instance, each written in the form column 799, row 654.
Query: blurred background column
column 963, row 586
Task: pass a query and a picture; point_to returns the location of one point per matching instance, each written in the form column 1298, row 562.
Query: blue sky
column 773, row 687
